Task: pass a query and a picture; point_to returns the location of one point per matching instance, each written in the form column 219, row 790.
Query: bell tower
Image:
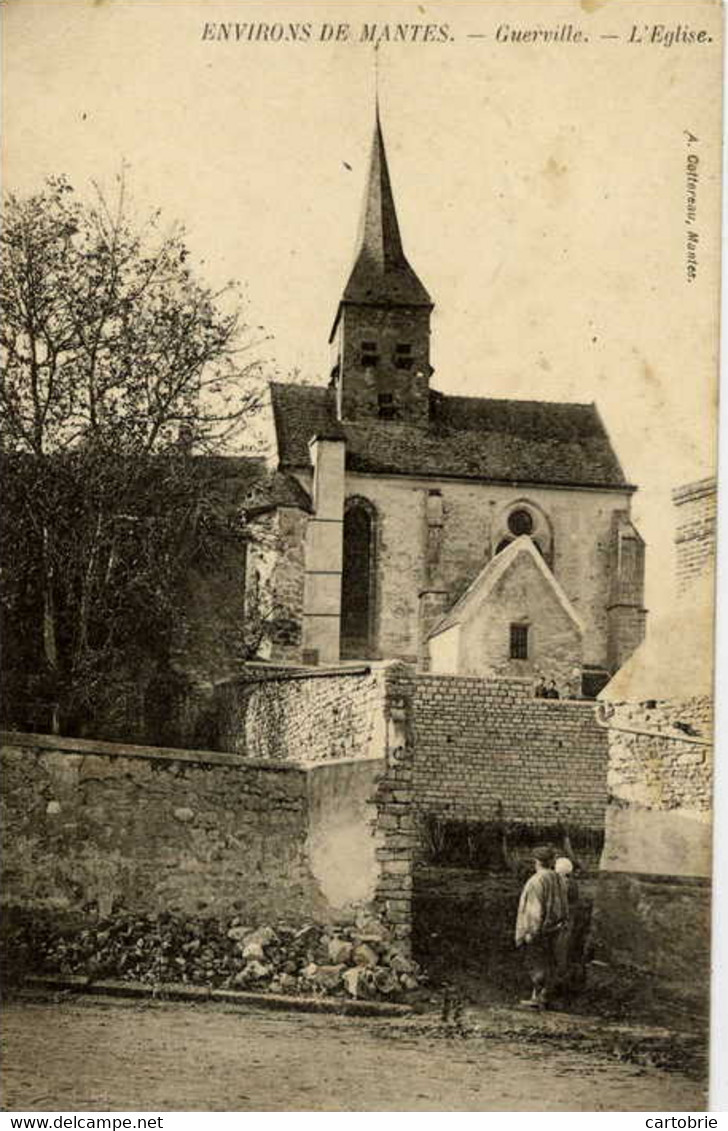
column 381, row 334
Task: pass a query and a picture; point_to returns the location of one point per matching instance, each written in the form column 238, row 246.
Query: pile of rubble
column 358, row 961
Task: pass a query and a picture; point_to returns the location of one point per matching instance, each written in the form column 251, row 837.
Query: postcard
column 359, row 415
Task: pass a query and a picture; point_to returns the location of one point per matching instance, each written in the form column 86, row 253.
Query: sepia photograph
column 358, row 442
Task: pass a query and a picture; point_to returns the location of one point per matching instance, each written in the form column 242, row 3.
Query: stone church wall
column 581, row 522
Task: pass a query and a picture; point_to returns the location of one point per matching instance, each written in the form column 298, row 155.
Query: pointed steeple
column 381, row 334
column 381, row 273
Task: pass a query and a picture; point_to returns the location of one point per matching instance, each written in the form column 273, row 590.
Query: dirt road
column 95, row 1054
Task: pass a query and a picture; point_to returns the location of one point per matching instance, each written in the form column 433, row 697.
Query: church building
column 468, row 535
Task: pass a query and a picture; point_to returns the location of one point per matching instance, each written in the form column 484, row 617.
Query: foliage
column 121, row 373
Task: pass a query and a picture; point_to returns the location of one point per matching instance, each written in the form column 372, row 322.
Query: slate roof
column 381, row 273
column 467, row 437
column 249, row 485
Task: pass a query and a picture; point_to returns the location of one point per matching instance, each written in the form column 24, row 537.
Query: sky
column 541, row 186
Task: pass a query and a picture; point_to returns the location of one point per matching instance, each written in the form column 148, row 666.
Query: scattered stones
column 324, row 977
column 261, row 936
column 364, row 955
column 172, row 947
column 340, row 950
column 359, row 982
column 401, row 964
column 256, row 971
column 253, row 950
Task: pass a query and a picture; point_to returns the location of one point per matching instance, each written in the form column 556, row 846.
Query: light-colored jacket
column 543, row 906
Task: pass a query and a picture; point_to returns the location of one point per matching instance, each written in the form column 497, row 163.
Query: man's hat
column 544, row 853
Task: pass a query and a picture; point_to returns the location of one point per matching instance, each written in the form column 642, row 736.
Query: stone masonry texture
column 106, row 826
column 581, row 538
column 306, row 719
column 696, row 512
column 94, row 826
column 652, row 759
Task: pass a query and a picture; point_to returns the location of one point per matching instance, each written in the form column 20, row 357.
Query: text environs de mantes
column 306, row 32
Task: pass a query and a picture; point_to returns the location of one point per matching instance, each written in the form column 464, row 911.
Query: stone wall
column 696, row 506
column 114, row 826
column 304, row 717
column 660, row 782
column 359, row 386
column 93, row 827
column 274, row 582
column 330, row 814
column 395, row 823
column 524, row 594
column 652, row 910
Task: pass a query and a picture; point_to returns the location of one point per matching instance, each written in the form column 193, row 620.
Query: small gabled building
column 514, row 620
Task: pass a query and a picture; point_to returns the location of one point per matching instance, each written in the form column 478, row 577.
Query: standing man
column 542, row 914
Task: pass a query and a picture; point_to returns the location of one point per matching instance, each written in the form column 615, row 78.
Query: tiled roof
column 468, row 437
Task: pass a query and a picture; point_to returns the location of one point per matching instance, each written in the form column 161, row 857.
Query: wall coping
column 276, row 675
column 307, row 767
column 63, row 745
column 515, row 681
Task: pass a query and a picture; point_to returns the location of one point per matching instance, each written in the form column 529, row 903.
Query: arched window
column 521, row 517
column 358, row 580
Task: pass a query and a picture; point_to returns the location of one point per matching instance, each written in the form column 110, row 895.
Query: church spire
column 381, row 335
column 381, row 273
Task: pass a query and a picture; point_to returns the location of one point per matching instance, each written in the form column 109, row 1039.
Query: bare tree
column 117, row 366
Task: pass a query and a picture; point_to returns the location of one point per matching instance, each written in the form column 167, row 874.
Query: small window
column 403, row 356
column 520, row 522
column 386, row 406
column 519, row 641
column 369, row 354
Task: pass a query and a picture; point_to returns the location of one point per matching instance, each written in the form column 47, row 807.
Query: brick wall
column 696, row 505
column 487, row 750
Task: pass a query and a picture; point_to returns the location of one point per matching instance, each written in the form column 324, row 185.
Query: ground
column 95, row 1054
